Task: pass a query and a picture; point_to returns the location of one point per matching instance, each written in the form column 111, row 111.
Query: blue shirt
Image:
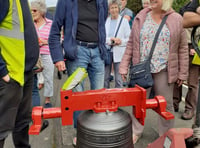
column 66, row 16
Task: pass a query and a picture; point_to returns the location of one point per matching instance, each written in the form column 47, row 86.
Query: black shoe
column 176, row 107
column 111, row 78
column 47, row 105
column 45, row 124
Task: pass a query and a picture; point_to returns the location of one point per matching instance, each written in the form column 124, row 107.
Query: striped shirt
column 43, row 33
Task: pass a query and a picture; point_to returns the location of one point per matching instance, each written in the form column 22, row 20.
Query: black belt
column 87, row 44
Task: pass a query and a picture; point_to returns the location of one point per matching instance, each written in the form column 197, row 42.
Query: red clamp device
column 100, row 101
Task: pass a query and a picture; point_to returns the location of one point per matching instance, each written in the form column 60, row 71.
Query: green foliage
column 178, row 4
column 136, row 5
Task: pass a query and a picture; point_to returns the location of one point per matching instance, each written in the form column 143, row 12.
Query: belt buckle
column 89, row 45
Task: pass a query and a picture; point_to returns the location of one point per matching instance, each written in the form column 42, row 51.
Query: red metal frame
column 100, row 101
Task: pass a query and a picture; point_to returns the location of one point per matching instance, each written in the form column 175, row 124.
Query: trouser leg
column 23, row 118
column 118, row 78
column 2, row 143
column 163, row 88
column 177, row 95
column 21, row 138
column 191, row 97
column 107, row 76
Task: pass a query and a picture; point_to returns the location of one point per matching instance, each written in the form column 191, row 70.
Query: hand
column 60, row 65
column 124, row 77
column 42, row 42
column 38, row 70
column 179, row 82
column 6, row 78
column 127, row 17
column 116, row 41
column 192, row 52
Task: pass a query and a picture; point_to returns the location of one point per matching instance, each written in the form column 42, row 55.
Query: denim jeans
column 35, row 92
column 88, row 58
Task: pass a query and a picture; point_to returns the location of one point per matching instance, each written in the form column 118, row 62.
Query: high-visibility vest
column 12, row 44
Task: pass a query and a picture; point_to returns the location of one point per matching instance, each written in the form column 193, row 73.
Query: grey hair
column 118, row 2
column 40, row 6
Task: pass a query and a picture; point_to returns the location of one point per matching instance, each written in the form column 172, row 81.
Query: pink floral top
column 161, row 51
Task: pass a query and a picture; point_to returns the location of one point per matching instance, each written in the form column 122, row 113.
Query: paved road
column 57, row 136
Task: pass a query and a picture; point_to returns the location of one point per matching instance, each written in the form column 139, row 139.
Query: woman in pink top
column 43, row 26
column 169, row 63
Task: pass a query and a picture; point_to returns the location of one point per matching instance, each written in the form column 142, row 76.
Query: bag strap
column 117, row 30
column 156, row 37
column 118, row 26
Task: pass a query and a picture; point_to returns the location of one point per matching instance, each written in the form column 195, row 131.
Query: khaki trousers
column 193, row 86
column 163, row 88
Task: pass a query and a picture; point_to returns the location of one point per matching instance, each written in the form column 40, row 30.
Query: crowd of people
column 80, row 35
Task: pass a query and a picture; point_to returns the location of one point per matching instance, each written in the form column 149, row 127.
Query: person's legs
column 107, row 76
column 82, row 60
column 177, row 95
column 2, row 143
column 35, row 92
column 47, row 72
column 10, row 95
column 137, row 127
column 118, row 78
column 191, row 97
column 23, row 118
column 96, row 69
column 163, row 88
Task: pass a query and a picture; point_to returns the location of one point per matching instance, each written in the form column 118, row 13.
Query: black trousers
column 15, row 110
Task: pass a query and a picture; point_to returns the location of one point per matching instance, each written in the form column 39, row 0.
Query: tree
column 136, row 5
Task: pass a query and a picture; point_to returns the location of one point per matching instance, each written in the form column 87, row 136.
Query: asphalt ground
column 58, row 136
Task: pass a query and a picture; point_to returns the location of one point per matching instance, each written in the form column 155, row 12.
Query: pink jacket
column 178, row 53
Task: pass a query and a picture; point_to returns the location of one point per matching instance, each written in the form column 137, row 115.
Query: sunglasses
column 34, row 10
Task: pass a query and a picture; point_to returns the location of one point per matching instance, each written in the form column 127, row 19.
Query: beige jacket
column 178, row 52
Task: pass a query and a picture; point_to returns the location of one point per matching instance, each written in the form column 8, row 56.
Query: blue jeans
column 88, row 58
column 35, row 92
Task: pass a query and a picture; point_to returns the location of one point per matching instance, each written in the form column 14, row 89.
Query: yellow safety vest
column 12, row 46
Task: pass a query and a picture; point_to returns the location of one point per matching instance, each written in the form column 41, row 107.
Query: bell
column 104, row 130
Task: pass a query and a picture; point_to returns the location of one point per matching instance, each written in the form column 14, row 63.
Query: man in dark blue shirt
column 83, row 22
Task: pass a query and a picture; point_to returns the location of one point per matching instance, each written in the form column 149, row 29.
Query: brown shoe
column 187, row 115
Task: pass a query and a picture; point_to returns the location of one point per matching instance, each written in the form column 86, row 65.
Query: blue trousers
column 88, row 58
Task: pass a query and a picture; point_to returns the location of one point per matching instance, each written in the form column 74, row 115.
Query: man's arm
column 55, row 33
column 4, row 7
column 191, row 19
column 105, row 10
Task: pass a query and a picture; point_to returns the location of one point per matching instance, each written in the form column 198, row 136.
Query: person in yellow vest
column 19, row 51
